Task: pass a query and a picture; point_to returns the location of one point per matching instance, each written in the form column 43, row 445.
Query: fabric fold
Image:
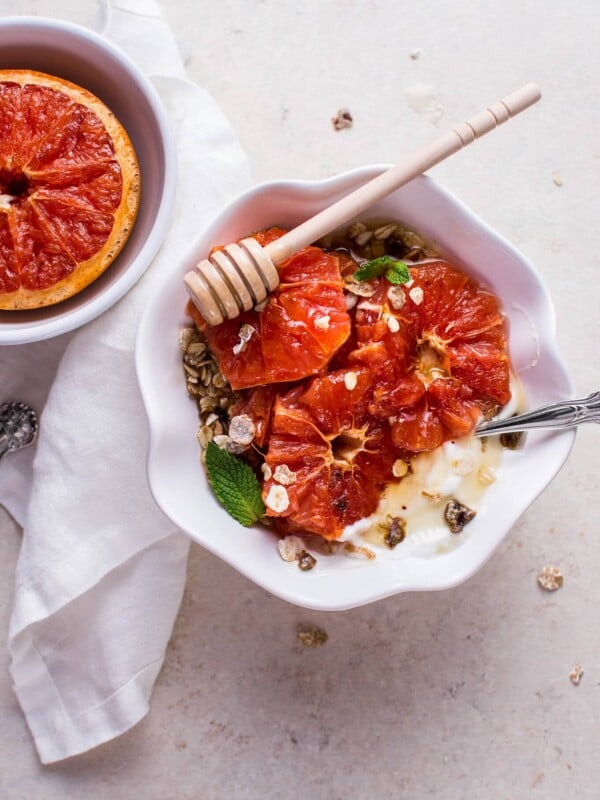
column 101, row 570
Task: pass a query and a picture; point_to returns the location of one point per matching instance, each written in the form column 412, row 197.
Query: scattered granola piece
column 306, row 561
column 246, row 332
column 486, row 475
column 241, row 429
column 312, row 637
column 277, row 498
column 576, row 674
column 400, row 468
column 415, row 53
column 463, row 466
column 434, row 496
column 557, row 179
column 511, row 440
column 343, row 119
column 350, row 380
column 396, row 297
column 396, row 532
column 550, row 578
column 322, row 323
column 363, row 238
column 457, row 515
column 290, row 547
column 355, row 229
column 392, row 323
column 351, row 301
column 416, row 295
column 266, row 471
column 360, row 288
column 284, row 475
column 358, row 552
column 385, row 231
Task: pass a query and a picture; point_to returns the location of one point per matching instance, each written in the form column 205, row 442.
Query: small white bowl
column 178, row 481
column 87, row 59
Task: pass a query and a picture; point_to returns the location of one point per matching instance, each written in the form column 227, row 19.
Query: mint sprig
column 235, row 485
column 394, row 271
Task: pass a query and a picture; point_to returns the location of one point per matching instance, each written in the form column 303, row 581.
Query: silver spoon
column 18, row 426
column 566, row 414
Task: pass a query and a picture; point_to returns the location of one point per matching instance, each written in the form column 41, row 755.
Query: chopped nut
column 392, row 323
column 363, row 238
column 290, row 547
column 486, row 475
column 355, row 229
column 266, row 471
column 416, row 295
column 312, row 637
column 576, row 674
column 322, row 323
column 400, row 468
column 385, row 231
column 511, row 440
column 350, row 380
column 241, row 429
column 277, row 499
column 415, row 53
column 343, row 119
column 221, row 441
column 306, row 561
column 550, row 578
column 396, row 297
column 396, row 532
column 246, row 332
column 458, row 515
column 558, row 181
column 284, row 475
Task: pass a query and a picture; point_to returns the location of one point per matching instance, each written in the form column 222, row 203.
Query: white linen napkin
column 101, row 570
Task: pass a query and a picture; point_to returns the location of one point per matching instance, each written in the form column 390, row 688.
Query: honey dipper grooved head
column 231, row 280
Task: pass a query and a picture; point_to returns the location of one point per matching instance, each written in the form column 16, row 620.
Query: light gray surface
column 458, row 694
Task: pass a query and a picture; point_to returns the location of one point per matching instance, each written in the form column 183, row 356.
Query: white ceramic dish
column 177, row 479
column 82, row 56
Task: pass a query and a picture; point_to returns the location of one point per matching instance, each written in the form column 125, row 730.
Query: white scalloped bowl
column 178, row 482
column 80, row 55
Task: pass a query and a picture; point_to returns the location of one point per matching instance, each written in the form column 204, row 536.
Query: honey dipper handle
column 421, row 160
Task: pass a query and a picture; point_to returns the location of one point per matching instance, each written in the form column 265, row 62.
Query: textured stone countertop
column 457, row 694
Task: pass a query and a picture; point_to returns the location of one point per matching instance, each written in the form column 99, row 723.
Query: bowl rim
column 15, row 333
column 562, row 441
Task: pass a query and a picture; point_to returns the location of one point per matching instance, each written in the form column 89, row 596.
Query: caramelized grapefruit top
column 69, row 189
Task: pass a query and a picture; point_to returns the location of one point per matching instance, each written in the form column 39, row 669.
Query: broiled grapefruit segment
column 302, row 325
column 438, row 360
column 9, row 280
column 68, row 173
column 340, row 457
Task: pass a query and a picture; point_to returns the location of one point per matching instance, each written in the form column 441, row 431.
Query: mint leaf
column 398, row 273
column 235, row 485
column 394, row 271
column 372, row 269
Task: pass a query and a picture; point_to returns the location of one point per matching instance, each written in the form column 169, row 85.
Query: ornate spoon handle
column 566, row 414
column 18, row 426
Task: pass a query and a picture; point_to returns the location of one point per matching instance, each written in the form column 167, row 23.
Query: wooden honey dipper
column 241, row 275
